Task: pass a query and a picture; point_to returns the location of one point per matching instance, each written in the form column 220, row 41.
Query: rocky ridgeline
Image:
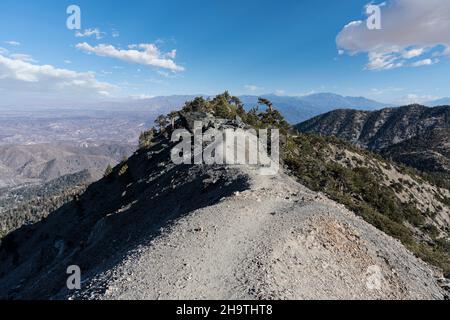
column 152, row 229
column 187, row 120
column 414, row 135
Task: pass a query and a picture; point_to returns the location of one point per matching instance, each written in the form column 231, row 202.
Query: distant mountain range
column 438, row 102
column 416, row 135
column 120, row 121
column 294, row 109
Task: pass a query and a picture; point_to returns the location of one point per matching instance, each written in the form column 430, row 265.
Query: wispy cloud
column 13, row 43
column 252, row 87
column 141, row 96
column 415, row 98
column 424, row 62
column 144, row 54
column 164, row 74
column 89, row 33
column 412, row 32
column 23, row 57
column 383, row 91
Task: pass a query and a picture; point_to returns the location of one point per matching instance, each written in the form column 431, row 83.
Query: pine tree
column 108, row 171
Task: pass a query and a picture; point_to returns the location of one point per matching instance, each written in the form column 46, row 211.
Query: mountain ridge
column 415, row 135
column 438, row 102
column 294, row 108
column 226, row 231
column 123, row 247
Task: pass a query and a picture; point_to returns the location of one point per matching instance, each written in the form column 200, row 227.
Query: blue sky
column 247, row 47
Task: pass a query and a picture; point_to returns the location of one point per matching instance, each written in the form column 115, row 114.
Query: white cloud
column 424, row 62
column 154, row 81
column 252, row 87
column 3, row 51
column 304, row 94
column 141, row 96
column 408, row 54
column 13, row 43
column 415, row 98
column 383, row 91
column 169, row 75
column 21, row 78
column 172, row 54
column 164, row 74
column 382, row 60
column 145, row 54
column 23, row 57
column 115, row 34
column 67, row 62
column 411, row 29
column 89, row 33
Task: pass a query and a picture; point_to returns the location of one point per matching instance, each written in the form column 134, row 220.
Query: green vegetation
column 362, row 191
column 108, row 171
column 346, row 174
column 441, row 180
column 222, row 106
column 444, row 200
column 37, row 201
column 161, row 122
column 123, row 170
column 230, row 107
column 146, row 138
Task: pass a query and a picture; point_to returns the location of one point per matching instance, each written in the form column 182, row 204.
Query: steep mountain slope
column 429, row 152
column 37, row 179
column 153, row 229
column 392, row 198
column 273, row 240
column 415, row 135
column 41, row 163
column 30, row 203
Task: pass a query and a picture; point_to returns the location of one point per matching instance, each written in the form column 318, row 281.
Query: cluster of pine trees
column 35, row 209
column 223, row 106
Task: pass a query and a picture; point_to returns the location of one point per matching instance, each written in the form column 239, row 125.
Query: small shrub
column 108, row 171
column 123, row 170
